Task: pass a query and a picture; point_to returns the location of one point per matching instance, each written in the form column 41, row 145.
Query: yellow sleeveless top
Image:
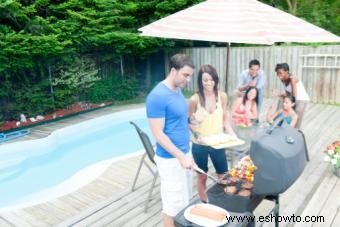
column 212, row 123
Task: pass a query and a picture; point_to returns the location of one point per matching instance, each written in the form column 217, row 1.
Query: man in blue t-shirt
column 167, row 111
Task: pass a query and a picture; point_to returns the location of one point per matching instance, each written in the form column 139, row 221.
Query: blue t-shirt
column 162, row 102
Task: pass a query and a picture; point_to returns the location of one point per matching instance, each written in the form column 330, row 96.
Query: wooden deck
column 109, row 201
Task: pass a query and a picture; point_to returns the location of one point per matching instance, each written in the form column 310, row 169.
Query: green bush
column 101, row 91
column 32, row 101
column 63, row 97
column 125, row 88
column 116, row 88
column 35, row 99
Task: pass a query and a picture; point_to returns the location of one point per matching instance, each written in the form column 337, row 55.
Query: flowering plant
column 333, row 154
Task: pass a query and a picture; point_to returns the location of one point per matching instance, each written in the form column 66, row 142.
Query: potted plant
column 333, row 156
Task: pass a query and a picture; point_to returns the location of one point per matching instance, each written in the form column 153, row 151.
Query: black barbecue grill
column 280, row 156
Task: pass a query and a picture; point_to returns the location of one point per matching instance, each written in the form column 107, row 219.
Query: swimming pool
column 29, row 169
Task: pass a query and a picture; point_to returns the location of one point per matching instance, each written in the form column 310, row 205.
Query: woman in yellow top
column 208, row 115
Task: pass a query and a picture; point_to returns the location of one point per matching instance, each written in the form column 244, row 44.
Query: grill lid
column 279, row 154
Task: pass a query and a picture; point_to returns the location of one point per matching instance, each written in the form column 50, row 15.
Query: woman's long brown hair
column 207, row 68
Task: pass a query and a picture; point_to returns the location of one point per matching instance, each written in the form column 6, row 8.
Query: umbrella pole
column 227, row 68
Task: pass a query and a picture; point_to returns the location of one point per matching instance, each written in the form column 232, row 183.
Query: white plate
column 202, row 221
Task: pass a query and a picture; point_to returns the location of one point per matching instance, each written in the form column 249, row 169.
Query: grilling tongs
column 208, row 175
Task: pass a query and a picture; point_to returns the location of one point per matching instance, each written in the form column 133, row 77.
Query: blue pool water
column 32, row 166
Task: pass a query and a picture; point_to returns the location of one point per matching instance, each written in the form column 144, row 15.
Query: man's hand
column 187, row 162
column 252, row 83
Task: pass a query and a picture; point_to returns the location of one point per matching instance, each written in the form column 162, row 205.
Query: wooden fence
column 317, row 67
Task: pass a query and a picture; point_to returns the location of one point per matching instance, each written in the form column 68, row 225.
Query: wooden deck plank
column 135, row 213
column 154, row 211
column 336, row 221
column 319, row 198
column 101, row 207
column 20, row 219
column 4, row 223
column 120, row 207
column 332, row 205
column 155, row 220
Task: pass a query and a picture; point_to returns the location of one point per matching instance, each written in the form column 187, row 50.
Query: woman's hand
column 200, row 140
column 229, row 130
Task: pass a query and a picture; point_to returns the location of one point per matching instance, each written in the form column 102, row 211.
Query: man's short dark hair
column 254, row 62
column 178, row 61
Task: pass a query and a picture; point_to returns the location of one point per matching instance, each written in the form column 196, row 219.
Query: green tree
column 323, row 13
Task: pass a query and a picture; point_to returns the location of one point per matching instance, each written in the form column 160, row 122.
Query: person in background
column 287, row 112
column 208, row 116
column 253, row 77
column 244, row 109
column 167, row 112
column 294, row 88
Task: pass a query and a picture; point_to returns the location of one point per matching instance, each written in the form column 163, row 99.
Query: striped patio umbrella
column 237, row 21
